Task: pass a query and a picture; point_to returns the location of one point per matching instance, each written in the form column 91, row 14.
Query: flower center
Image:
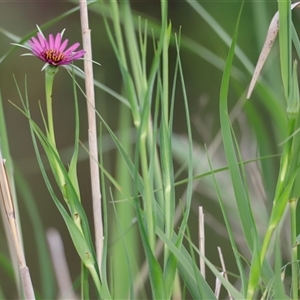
column 53, row 57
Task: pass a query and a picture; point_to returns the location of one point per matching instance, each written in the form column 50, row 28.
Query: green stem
column 282, row 196
column 280, row 200
column 101, row 289
column 266, row 242
column 84, row 282
column 169, row 206
column 148, row 192
column 293, row 204
column 49, row 78
column 60, row 177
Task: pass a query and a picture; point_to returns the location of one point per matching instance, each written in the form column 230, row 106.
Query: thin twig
column 7, row 206
column 218, row 286
column 201, row 241
column 224, row 272
column 60, row 266
column 271, row 35
column 92, row 131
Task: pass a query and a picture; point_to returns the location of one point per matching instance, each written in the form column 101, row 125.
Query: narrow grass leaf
column 73, row 164
column 239, row 187
column 224, row 36
column 285, row 44
column 279, row 288
column 116, row 41
column 155, row 272
column 230, row 234
column 81, row 237
column 199, row 289
column 81, row 240
column 265, row 146
column 229, row 287
column 296, row 41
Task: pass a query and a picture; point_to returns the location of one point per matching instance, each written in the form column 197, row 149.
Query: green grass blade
column 296, row 41
column 237, row 177
column 116, row 41
column 155, row 272
column 265, row 144
column 285, row 44
column 124, row 250
column 81, row 236
column 81, row 239
column 172, row 261
column 154, row 29
column 230, row 234
column 224, row 36
column 279, row 289
column 240, row 191
column 199, row 289
column 229, row 287
column 73, row 164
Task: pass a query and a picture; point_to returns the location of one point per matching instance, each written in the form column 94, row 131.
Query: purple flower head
column 53, row 51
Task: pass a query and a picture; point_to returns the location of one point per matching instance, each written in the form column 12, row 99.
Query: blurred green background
column 202, row 80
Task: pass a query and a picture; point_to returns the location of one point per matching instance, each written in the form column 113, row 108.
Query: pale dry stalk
column 271, row 36
column 201, row 241
column 92, row 130
column 224, row 272
column 7, row 207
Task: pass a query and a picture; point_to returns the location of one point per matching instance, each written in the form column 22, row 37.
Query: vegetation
column 154, row 176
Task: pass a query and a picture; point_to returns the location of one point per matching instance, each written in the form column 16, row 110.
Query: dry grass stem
column 7, row 206
column 92, row 131
column 201, row 241
column 224, row 273
column 61, row 270
column 271, row 36
column 218, row 286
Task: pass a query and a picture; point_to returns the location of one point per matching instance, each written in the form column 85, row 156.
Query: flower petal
column 72, row 48
column 63, row 45
column 35, row 45
column 78, row 54
column 51, row 41
column 43, row 41
column 57, row 41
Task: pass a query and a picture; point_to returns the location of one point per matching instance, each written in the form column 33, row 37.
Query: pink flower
column 53, row 50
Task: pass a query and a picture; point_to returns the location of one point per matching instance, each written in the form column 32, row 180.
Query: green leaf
column 155, row 272
column 199, row 289
column 285, row 44
column 279, row 288
column 239, row 186
column 73, row 164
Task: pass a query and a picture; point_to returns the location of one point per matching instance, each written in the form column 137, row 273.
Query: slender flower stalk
column 54, row 52
column 50, row 73
column 49, row 78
